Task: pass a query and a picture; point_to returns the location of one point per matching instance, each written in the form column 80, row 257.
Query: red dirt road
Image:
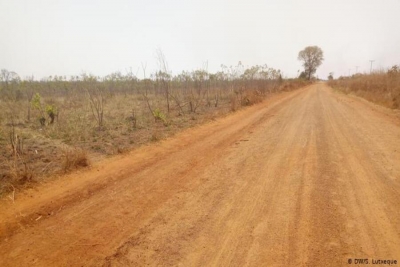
column 306, row 178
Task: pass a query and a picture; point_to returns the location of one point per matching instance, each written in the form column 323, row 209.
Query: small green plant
column 51, row 110
column 36, row 101
column 159, row 116
column 37, row 104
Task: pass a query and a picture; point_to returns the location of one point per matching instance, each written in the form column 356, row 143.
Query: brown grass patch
column 74, row 158
column 128, row 120
column 382, row 87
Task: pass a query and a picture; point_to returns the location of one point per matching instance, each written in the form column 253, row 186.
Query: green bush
column 159, row 116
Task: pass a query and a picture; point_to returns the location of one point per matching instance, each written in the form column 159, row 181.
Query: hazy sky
column 55, row 37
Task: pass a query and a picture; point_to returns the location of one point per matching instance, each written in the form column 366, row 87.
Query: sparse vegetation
column 87, row 116
column 382, row 87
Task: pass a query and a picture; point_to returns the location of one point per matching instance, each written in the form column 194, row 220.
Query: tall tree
column 312, row 57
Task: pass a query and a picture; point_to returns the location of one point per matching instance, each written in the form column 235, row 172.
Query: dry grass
column 128, row 122
column 251, row 98
column 16, row 174
column 74, row 158
column 382, row 87
column 20, row 172
column 293, row 84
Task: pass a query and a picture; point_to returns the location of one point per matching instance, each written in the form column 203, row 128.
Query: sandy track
column 307, row 178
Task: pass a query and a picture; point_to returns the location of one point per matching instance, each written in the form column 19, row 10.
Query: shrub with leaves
column 37, row 104
column 159, row 116
column 50, row 110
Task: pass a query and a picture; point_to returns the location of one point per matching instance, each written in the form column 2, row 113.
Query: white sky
column 55, row 37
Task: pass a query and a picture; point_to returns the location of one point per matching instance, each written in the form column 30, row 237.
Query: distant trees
column 7, row 77
column 394, row 71
column 312, row 57
column 330, row 76
column 85, row 98
column 9, row 81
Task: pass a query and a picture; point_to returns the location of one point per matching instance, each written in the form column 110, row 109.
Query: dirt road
column 307, row 178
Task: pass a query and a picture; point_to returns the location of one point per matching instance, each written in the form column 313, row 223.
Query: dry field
column 53, row 126
column 382, row 87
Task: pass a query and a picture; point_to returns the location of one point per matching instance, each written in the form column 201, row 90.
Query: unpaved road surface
column 306, row 178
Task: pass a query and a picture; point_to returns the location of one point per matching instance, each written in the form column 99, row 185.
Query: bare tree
column 164, row 75
column 29, row 89
column 96, row 98
column 312, row 57
column 198, row 93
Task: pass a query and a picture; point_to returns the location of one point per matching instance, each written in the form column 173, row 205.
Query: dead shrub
column 293, row 84
column 74, row 158
column 17, row 174
column 156, row 136
column 234, row 103
column 121, row 150
column 251, row 98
